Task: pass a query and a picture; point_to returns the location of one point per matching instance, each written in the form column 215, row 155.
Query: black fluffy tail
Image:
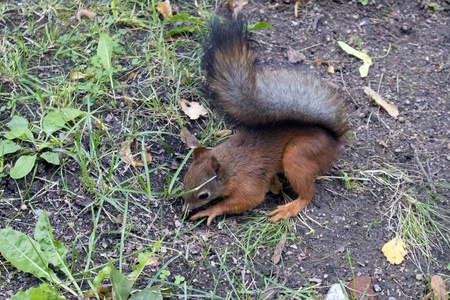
column 259, row 98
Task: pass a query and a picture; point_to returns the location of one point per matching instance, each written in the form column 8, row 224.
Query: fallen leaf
column 130, row 77
column 168, row 40
column 165, row 8
column 275, row 185
column 386, row 104
column 277, row 254
column 103, row 291
column 330, row 69
column 79, row 75
column 294, row 56
column 367, row 60
column 86, row 13
column 128, row 158
column 192, row 109
column 188, row 138
column 229, row 4
column 222, row 133
column 362, row 285
column 394, row 250
column 438, row 288
column 320, row 62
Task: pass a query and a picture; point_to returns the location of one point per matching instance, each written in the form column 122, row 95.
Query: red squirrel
column 289, row 122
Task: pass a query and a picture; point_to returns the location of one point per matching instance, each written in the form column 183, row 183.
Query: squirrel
column 289, row 122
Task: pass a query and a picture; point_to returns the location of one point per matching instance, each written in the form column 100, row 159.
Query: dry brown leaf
column 386, row 104
column 438, row 288
column 192, row 109
column 229, row 4
column 168, row 40
column 330, row 69
column 128, row 158
column 321, row 62
column 130, row 77
column 103, row 291
column 188, row 138
column 294, row 56
column 86, row 13
column 361, row 288
column 277, row 254
column 224, row 132
column 165, row 8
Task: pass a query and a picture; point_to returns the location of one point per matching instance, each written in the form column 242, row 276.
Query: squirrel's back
column 255, row 98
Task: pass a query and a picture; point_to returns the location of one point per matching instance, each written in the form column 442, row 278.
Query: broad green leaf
column 100, row 276
column 7, row 146
column 71, row 113
column 143, row 260
column 43, row 292
column 23, row 166
column 22, row 133
column 182, row 29
column 367, row 60
column 152, row 293
column 184, row 17
column 53, row 121
column 25, row 254
column 17, row 122
column 54, row 250
column 259, row 25
column 121, row 285
column 104, row 50
column 51, row 157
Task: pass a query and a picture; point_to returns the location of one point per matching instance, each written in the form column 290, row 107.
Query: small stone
column 401, row 119
column 419, row 277
column 377, row 288
column 358, row 274
column 391, row 298
column 335, row 293
column 24, row 207
column 362, row 115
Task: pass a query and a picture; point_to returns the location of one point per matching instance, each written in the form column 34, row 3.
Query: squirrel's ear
column 198, row 152
column 215, row 165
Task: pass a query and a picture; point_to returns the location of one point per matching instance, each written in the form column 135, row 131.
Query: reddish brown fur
column 251, row 158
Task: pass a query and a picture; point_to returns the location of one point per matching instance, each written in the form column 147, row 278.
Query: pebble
column 358, row 274
column 401, row 119
column 377, row 288
column 391, row 298
column 335, row 293
column 419, row 277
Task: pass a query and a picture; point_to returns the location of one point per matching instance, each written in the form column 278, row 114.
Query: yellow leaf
column 79, row 75
column 394, row 250
column 367, row 60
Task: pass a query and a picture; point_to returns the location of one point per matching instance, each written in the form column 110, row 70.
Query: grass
column 105, row 211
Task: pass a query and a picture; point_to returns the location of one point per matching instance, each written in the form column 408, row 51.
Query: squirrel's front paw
column 287, row 210
column 210, row 213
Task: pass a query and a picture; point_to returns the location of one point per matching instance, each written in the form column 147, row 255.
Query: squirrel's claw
column 210, row 213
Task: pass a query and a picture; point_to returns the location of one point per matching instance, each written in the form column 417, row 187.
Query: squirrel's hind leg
column 303, row 159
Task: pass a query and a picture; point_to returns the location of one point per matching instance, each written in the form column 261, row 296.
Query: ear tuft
column 198, row 152
column 215, row 165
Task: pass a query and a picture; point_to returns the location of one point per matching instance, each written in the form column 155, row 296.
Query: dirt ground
column 342, row 224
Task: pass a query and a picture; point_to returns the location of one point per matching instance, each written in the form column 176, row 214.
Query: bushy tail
column 264, row 98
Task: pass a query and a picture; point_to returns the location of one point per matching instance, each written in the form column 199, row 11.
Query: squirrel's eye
column 203, row 196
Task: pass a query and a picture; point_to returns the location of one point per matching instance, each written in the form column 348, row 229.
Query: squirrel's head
column 207, row 177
